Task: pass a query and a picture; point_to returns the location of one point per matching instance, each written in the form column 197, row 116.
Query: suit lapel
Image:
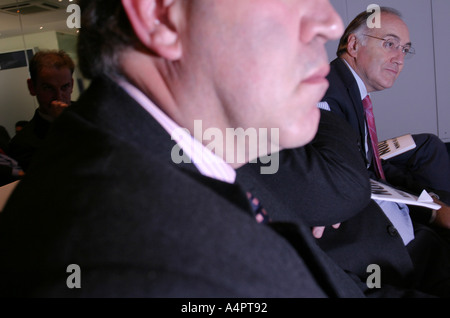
column 353, row 91
column 354, row 94
column 122, row 117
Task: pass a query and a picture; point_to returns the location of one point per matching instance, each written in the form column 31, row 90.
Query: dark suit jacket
column 344, row 99
column 322, row 183
column 425, row 167
column 103, row 193
column 4, row 139
column 25, row 143
column 331, row 163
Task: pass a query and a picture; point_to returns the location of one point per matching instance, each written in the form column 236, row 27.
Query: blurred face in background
column 53, row 89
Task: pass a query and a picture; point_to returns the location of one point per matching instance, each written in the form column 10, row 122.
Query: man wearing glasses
column 370, row 60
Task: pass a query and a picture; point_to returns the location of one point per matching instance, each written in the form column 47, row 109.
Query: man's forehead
column 54, row 76
column 48, row 73
column 45, row 70
column 397, row 38
column 393, row 27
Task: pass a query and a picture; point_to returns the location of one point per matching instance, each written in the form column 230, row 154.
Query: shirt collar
column 206, row 162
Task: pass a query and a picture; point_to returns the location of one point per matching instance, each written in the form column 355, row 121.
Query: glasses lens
column 409, row 52
column 391, row 44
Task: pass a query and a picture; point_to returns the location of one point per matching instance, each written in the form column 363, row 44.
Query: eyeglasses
column 393, row 45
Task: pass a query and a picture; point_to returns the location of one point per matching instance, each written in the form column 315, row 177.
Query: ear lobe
column 166, row 42
column 150, row 20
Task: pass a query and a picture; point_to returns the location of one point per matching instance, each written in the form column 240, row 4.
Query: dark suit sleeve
column 335, row 182
column 335, row 106
column 323, row 183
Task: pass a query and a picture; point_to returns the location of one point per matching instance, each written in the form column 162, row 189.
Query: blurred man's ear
column 31, row 88
column 151, row 21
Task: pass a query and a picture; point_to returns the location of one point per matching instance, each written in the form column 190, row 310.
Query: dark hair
column 49, row 58
column 105, row 32
column 359, row 22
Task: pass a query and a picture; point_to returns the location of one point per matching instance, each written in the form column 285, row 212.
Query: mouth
column 395, row 72
column 319, row 76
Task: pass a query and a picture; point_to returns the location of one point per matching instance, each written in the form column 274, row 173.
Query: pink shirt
column 206, row 162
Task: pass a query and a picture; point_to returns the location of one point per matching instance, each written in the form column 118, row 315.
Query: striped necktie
column 368, row 108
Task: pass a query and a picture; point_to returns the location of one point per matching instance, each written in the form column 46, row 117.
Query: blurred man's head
column 230, row 63
column 51, row 81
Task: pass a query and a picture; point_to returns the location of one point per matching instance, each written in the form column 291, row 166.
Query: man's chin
column 303, row 134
